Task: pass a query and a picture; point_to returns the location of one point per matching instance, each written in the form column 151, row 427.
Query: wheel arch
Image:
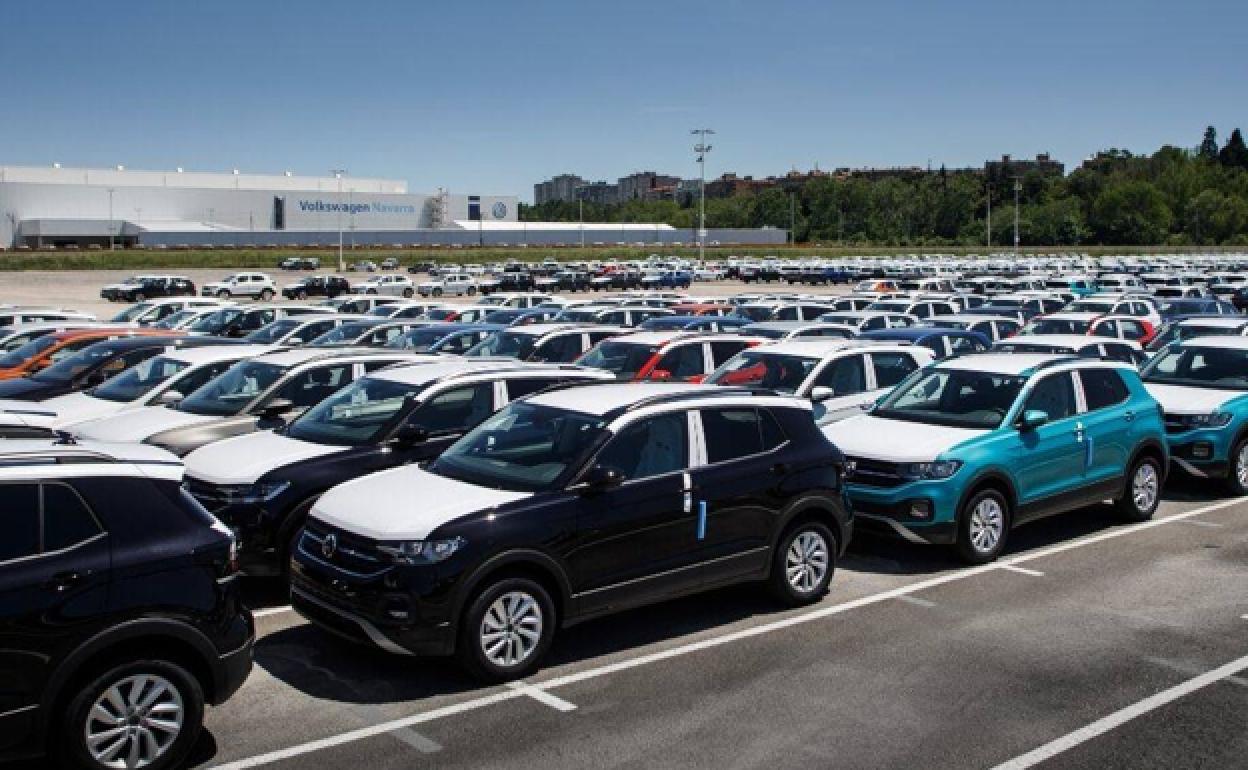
column 993, row 478
column 529, row 563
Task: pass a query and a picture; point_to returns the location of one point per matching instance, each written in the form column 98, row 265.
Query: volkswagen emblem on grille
column 851, row 466
column 329, row 546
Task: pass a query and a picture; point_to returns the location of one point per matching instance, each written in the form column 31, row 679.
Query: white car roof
column 1000, row 363
column 1229, row 342
column 973, row 318
column 824, row 346
column 601, row 399
column 419, row 373
column 1075, row 341
column 1072, row 316
column 1220, row 322
column 297, row 356
column 208, row 353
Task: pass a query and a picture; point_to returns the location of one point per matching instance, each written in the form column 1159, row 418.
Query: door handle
column 63, row 581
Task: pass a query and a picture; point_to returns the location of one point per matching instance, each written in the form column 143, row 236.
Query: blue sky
column 490, row 97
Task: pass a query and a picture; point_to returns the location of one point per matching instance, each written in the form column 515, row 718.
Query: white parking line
column 705, row 644
column 1122, row 716
column 916, row 601
column 541, row 696
column 1199, row 523
column 1022, row 570
column 267, row 611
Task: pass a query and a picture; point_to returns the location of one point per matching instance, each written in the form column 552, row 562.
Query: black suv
column 317, row 286
column 150, row 287
column 571, row 504
column 120, row 618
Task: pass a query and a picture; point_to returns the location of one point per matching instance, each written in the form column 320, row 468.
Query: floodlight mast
column 701, row 149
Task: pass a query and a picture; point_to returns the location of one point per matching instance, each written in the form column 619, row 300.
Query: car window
column 315, row 384
column 1119, row 353
column 1132, row 330
column 561, row 349
column 960, row 345
column 1102, row 388
column 455, row 410
column 773, row 434
column 198, row 378
column 891, row 368
column 1105, row 329
column 844, row 376
column 649, row 447
column 66, row 519
column 721, row 351
column 1054, row 395
column 731, row 434
column 936, row 344
column 520, row 387
column 19, row 515
column 684, row 362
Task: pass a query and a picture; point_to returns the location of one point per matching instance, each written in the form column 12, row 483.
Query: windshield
column 216, row 321
column 274, row 331
column 419, row 339
column 579, row 316
column 525, row 447
column 26, row 351
column 1057, row 326
column 358, row 414
column 509, row 344
column 891, row 306
column 1175, row 331
column 133, row 312
column 234, row 389
column 1205, row 367
column 383, row 311
column 954, row 397
column 784, row 373
column 138, row 380
column 171, row 321
column 623, row 359
column 74, row 359
column 348, row 332
column 755, row 312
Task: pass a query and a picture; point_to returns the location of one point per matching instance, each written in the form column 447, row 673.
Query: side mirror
column 1032, row 419
column 821, row 393
column 409, row 434
column 276, row 408
column 600, row 478
column 169, row 398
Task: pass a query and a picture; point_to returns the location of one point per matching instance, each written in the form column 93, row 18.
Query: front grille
column 873, row 473
column 351, row 553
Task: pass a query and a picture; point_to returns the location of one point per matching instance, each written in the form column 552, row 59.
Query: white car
column 457, row 284
column 161, row 379
column 27, row 315
column 841, row 376
column 391, row 285
column 257, row 285
column 153, row 311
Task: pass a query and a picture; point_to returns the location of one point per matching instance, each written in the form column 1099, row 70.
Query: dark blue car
column 943, row 342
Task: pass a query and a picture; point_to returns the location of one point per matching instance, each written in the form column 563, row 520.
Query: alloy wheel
column 806, row 563
column 987, row 525
column 134, row 722
column 1145, row 485
column 1241, row 466
column 511, row 629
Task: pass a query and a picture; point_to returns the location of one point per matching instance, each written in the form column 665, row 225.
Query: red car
column 665, row 356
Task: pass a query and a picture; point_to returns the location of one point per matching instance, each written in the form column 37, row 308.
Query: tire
column 983, row 527
column 266, row 295
column 1237, row 474
column 529, row 602
column 407, row 293
column 437, row 292
column 139, row 296
column 803, row 564
column 181, row 696
column 223, row 294
column 1141, row 491
column 301, row 294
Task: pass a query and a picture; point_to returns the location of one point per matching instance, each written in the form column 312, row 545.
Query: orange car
column 44, row 351
column 702, row 308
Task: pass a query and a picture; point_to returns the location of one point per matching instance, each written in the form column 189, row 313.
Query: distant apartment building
column 640, row 185
column 599, row 192
column 1009, row 166
column 560, row 188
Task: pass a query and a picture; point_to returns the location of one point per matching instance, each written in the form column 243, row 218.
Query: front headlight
column 421, row 551
column 252, row 493
column 1211, row 420
column 941, row 469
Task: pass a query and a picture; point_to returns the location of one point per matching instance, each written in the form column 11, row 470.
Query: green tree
column 1209, row 145
column 1130, row 214
column 1235, row 153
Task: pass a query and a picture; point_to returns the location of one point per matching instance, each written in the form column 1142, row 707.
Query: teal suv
column 962, row 451
column 1202, row 386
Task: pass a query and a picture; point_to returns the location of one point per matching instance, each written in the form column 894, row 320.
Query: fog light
column 920, row 509
column 397, row 609
column 1202, row 450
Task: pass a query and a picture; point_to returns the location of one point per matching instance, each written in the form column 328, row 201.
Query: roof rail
column 688, row 395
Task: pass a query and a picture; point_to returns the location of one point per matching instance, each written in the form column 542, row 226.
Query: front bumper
column 917, row 511
column 1203, row 453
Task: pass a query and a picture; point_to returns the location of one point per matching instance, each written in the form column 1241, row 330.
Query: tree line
column 1175, row 196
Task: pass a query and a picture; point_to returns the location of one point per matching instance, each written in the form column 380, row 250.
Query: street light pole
column 1018, row 187
column 702, row 148
column 989, row 224
column 580, row 218
column 338, row 172
column 112, row 224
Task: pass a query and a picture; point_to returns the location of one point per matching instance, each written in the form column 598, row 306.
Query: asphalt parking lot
column 1048, row 657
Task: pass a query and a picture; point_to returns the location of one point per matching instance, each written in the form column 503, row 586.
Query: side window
column 731, row 434
column 124, row 362
column 1123, row 353
column 773, row 434
column 845, row 376
column 1054, row 395
column 596, row 337
column 1102, row 388
column 315, row 384
column 1139, row 308
column 874, row 323
column 66, row 519
column 785, row 314
column 1106, row 329
column 455, row 410
column 520, row 387
column 891, row 368
column 650, row 447
column 936, row 344
column 721, row 351
column 313, row 330
column 19, row 515
column 200, row 377
column 1132, row 330
column 922, row 311
column 811, row 312
column 960, row 345
column 683, row 362
column 561, row 349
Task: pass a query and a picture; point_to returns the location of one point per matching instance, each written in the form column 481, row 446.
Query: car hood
column 138, row 424
column 404, row 503
column 895, row 440
column 1181, row 399
column 244, row 459
column 58, row 411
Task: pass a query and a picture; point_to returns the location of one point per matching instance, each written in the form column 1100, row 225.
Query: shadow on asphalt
column 324, row 666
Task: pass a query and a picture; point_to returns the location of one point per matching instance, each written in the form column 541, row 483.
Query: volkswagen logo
column 499, row 210
column 329, row 546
